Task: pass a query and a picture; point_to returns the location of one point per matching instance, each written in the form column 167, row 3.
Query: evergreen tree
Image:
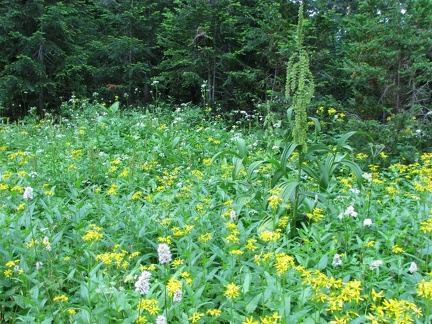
column 387, row 57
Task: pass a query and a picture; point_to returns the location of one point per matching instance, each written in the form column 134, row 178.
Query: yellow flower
column 316, row 215
column 71, row 311
column 61, row 298
column 173, row 285
column 250, row 320
column 7, row 273
column 283, row 262
column 269, row 236
column 205, row 237
column 250, row 245
column 76, row 153
column 232, row 291
column 93, row 234
column 20, row 207
column 213, row 312
column 424, row 289
column 271, row 319
column 362, row 156
column 426, row 226
column 207, row 161
column 166, row 239
column 18, row 189
column 137, row 195
column 397, row 249
column 376, row 296
column 149, row 305
column 112, row 190
column 332, row 111
column 196, row 317
column 370, row 243
column 124, row 173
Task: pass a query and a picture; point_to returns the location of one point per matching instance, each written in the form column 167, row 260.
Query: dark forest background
column 368, row 58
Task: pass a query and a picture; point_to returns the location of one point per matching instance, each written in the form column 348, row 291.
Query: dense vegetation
column 89, row 202
column 265, row 198
column 369, row 59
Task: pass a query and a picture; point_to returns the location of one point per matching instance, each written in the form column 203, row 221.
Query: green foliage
column 299, row 85
column 108, row 186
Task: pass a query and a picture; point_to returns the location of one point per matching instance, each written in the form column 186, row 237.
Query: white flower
column 161, row 320
column 233, row 215
column 178, row 295
column 28, row 193
column 164, row 253
column 337, row 260
column 38, row 265
column 348, row 212
column 143, row 283
column 413, row 267
column 376, row 264
column 367, row 222
column 355, row 191
column 367, row 176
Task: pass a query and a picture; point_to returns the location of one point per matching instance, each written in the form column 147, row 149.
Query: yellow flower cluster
column 149, row 305
column 205, row 237
column 173, row 285
column 426, row 226
column 93, row 234
column 283, row 262
column 233, row 236
column 177, row 231
column 116, row 258
column 196, row 317
column 424, row 289
column 232, row 290
column 394, row 311
column 316, row 215
column 61, row 298
column 270, row 236
column 275, row 199
column 334, row 292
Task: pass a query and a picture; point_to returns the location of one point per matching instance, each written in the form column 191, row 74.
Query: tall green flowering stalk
column 299, row 90
column 299, row 85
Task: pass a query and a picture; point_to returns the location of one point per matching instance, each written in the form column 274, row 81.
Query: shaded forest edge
column 369, row 59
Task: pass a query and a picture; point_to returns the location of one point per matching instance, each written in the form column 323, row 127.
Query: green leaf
column 252, row 305
column 322, row 264
column 355, row 168
column 241, row 147
column 246, row 283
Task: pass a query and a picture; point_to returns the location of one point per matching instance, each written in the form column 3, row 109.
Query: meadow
column 144, row 216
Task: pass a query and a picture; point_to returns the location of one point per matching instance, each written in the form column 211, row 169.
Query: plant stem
column 293, row 230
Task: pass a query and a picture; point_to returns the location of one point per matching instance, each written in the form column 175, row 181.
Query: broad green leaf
column 322, row 264
column 252, row 305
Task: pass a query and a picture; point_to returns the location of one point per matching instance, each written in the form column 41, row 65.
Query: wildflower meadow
column 145, row 216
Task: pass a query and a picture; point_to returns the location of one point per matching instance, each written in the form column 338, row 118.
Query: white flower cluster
column 376, row 264
column 161, row 320
column 28, row 193
column 348, row 212
column 367, row 222
column 143, row 283
column 164, row 253
column 337, row 260
column 413, row 267
column 178, row 295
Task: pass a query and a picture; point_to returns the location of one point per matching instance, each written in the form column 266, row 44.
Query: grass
column 88, row 202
